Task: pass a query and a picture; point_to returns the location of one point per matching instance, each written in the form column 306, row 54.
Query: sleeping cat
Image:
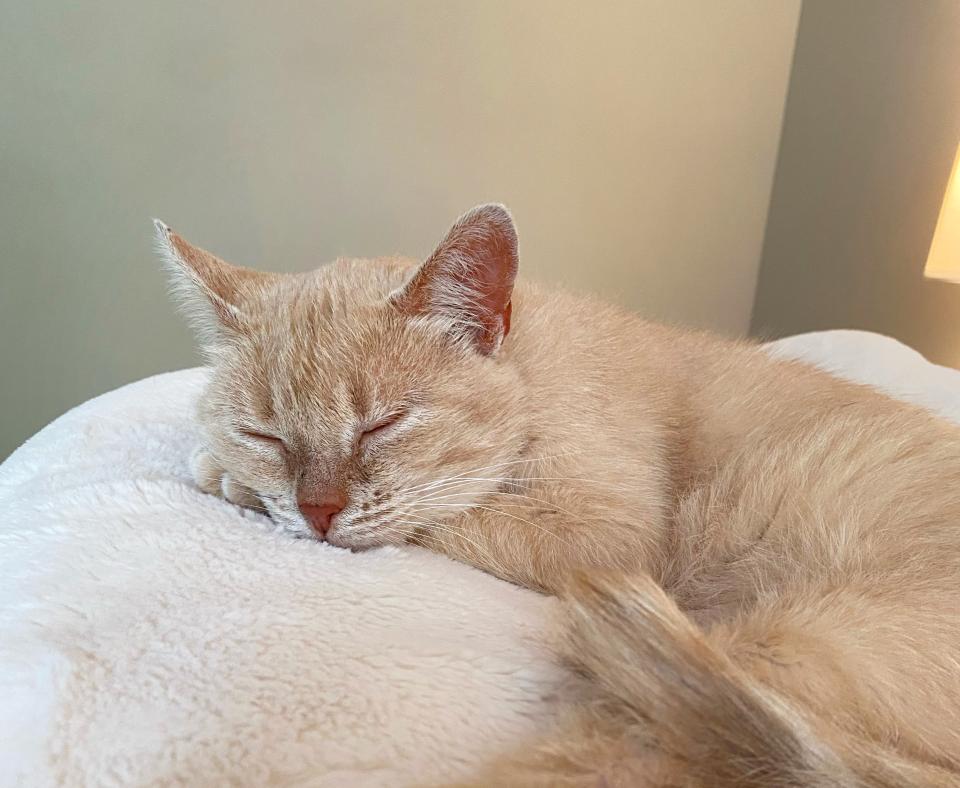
column 761, row 563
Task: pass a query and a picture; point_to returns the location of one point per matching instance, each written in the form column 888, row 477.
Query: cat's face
column 367, row 400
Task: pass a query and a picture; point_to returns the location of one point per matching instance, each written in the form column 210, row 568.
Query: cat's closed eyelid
column 262, row 437
column 380, row 426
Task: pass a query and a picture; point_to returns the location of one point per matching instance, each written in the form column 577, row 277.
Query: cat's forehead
column 325, row 383
column 328, row 305
column 331, row 341
column 359, row 280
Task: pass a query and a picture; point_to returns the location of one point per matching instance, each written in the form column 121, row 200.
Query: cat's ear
column 209, row 290
column 468, row 280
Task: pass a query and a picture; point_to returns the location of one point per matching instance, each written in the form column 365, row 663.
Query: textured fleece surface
column 154, row 635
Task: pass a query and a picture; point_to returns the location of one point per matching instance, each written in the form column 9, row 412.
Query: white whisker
column 504, row 464
column 516, row 517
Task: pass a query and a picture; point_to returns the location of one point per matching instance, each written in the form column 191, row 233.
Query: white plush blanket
column 150, row 634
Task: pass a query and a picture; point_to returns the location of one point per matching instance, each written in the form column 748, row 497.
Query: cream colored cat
column 761, row 563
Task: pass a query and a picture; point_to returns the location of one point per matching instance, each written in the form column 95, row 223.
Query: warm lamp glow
column 943, row 262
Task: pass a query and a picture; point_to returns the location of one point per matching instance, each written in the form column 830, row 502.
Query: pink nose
column 320, row 512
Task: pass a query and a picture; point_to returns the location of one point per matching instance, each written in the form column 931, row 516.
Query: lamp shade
column 943, row 261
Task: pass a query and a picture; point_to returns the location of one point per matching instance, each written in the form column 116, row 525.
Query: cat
column 760, row 562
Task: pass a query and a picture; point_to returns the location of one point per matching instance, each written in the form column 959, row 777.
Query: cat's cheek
column 272, row 482
column 262, row 470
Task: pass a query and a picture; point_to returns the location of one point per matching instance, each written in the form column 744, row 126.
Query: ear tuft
column 468, row 280
column 208, row 290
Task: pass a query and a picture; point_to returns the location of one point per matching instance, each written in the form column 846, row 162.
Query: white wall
column 634, row 141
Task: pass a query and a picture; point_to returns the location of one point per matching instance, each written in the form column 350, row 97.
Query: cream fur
column 761, row 561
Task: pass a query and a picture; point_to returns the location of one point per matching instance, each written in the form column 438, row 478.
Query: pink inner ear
column 470, row 276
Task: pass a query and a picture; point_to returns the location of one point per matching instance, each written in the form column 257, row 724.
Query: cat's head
column 368, row 399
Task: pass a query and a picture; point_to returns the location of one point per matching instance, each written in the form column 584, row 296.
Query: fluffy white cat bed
column 150, row 634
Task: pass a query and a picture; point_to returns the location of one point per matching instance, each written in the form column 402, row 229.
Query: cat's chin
column 298, row 529
column 350, row 546
column 354, row 545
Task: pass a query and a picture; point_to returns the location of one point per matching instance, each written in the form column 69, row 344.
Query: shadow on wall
column 870, row 131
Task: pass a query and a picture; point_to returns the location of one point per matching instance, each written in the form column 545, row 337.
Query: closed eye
column 263, row 437
column 380, row 427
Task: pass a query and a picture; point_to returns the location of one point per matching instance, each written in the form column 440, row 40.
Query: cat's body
column 809, row 527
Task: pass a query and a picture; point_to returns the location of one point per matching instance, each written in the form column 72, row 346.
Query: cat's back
column 774, row 426
column 835, row 475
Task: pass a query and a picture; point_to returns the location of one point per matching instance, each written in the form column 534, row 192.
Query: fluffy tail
column 712, row 723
